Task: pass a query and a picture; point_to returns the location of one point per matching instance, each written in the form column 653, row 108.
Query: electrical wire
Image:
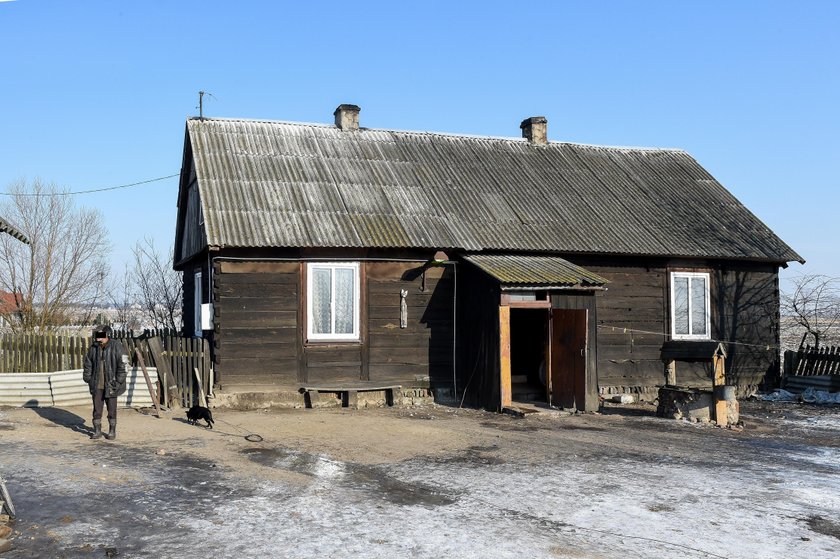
column 88, row 191
column 623, row 329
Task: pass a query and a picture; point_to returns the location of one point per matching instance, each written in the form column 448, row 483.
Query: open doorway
column 528, row 344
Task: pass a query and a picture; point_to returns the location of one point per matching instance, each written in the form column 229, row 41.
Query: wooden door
column 567, row 386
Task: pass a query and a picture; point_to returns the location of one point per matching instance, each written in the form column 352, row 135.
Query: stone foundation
column 695, row 404
column 294, row 399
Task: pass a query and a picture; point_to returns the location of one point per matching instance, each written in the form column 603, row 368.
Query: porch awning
column 514, row 271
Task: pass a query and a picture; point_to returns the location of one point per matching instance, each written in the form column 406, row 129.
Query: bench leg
column 312, row 399
column 351, row 399
column 393, row 396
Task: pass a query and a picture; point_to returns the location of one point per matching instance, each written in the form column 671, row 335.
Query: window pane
column 698, row 306
column 321, row 296
column 344, row 291
column 680, row 305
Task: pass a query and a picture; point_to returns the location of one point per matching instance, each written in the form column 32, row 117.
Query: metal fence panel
column 68, row 389
column 31, row 390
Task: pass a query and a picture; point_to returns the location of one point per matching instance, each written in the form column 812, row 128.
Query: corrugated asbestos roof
column 278, row 184
column 535, row 271
column 6, row 227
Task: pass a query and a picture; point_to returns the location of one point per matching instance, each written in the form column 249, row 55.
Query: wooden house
column 493, row 269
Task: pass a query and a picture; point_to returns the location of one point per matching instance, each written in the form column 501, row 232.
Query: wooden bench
column 350, row 393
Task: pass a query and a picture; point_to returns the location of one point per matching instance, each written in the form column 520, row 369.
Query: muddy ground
column 432, row 481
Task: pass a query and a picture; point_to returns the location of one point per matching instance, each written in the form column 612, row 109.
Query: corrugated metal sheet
column 67, row 389
column 798, row 384
column 276, row 184
column 546, row 271
column 31, row 390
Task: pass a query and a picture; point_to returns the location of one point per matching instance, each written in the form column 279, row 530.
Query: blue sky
column 95, row 94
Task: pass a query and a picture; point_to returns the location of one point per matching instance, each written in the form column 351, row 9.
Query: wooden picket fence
column 813, row 361
column 176, row 358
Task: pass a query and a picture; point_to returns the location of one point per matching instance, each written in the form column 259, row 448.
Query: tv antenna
column 200, row 107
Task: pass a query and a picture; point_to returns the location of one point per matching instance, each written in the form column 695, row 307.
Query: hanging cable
column 625, row 330
column 36, row 194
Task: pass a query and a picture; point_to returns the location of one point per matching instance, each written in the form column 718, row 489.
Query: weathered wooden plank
column 332, row 374
column 257, row 366
column 257, row 280
column 274, row 319
column 236, row 335
column 228, row 290
column 258, row 304
column 251, row 267
column 396, row 342
column 391, row 371
column 504, row 357
column 387, row 271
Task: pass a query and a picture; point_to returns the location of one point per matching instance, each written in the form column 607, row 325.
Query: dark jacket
column 115, row 363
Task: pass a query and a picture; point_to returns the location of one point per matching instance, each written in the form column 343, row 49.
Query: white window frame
column 310, row 267
column 197, row 300
column 690, row 335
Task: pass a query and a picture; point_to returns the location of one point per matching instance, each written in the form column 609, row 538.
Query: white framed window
column 197, row 306
column 332, row 300
column 690, row 315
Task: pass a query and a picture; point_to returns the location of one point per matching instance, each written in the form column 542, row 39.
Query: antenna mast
column 201, row 105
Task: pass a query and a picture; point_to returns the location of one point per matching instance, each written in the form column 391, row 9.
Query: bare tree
column 813, row 303
column 159, row 287
column 63, row 266
column 121, row 294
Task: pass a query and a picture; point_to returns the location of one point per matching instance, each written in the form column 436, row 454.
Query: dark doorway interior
column 528, row 342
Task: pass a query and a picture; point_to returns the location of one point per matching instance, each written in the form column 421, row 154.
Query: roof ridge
column 443, row 134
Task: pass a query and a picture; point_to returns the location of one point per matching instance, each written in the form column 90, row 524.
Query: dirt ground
column 429, row 481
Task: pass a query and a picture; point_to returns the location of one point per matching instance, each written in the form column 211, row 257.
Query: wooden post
column 202, row 401
column 504, row 355
column 721, row 405
column 671, row 373
column 152, row 391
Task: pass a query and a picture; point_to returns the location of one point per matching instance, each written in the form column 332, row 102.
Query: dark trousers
column 99, row 400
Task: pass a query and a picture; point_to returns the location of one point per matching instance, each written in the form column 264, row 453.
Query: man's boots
column 97, row 430
column 112, row 430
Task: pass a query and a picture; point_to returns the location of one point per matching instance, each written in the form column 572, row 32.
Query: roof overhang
column 6, row 227
column 516, row 272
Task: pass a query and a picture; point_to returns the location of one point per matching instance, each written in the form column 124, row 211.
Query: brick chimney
column 535, row 130
column 347, row 117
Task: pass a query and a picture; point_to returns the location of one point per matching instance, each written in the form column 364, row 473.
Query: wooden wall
column 747, row 300
column 261, row 326
column 478, row 338
column 630, row 326
column 634, row 321
column 423, row 350
column 256, row 330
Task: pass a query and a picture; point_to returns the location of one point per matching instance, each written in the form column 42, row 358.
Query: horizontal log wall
column 256, row 315
column 423, row 349
column 631, row 327
column 633, row 322
column 260, row 326
column 747, row 299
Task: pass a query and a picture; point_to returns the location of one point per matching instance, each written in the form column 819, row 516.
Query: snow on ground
column 585, row 486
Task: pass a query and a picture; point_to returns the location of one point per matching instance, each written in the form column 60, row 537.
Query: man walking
column 104, row 372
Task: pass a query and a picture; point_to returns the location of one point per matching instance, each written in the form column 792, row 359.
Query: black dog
column 196, row 413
